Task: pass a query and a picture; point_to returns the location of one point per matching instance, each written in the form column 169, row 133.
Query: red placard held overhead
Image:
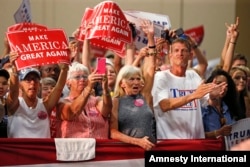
column 110, row 28
column 27, row 27
column 86, row 19
column 197, row 33
column 37, row 48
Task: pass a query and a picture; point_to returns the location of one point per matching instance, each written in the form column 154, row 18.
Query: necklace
column 222, row 119
column 33, row 105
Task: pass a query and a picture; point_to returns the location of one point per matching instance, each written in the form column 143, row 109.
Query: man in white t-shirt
column 176, row 96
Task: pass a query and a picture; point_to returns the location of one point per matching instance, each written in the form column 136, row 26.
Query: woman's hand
column 13, row 57
column 232, row 30
column 225, row 130
column 105, row 84
column 145, row 143
column 93, row 78
column 147, row 27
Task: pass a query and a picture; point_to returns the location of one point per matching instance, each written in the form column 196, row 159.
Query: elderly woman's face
column 132, row 85
column 78, row 80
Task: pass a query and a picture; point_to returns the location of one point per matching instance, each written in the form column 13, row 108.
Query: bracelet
column 215, row 135
column 151, row 47
column 154, row 53
column 233, row 43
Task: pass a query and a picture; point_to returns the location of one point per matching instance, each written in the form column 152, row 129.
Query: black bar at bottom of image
column 196, row 158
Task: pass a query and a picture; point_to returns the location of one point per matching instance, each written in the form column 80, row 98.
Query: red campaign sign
column 197, row 33
column 38, row 48
column 85, row 20
column 26, row 27
column 98, row 51
column 112, row 44
column 110, row 28
column 109, row 21
column 122, row 54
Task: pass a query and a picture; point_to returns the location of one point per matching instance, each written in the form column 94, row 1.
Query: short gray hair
column 75, row 67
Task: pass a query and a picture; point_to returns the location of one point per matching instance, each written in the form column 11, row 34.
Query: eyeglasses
column 240, row 77
column 79, row 77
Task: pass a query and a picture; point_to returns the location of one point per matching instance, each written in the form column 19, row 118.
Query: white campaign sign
column 23, row 13
column 161, row 22
column 240, row 132
column 159, row 19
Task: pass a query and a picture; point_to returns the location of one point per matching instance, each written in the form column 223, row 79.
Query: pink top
column 89, row 124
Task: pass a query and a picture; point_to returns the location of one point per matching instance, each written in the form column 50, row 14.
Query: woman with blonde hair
column 132, row 119
column 239, row 75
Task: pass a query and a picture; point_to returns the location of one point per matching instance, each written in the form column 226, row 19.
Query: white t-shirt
column 29, row 123
column 184, row 122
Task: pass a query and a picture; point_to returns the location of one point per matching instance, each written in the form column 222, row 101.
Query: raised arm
column 148, row 67
column 201, row 67
column 142, row 53
column 234, row 33
column 12, row 98
column 130, row 52
column 228, row 48
column 130, row 47
column 69, row 110
column 105, row 104
column 52, row 99
column 86, row 54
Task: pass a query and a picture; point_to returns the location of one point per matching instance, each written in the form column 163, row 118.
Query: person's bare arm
column 224, row 49
column 69, row 110
column 130, row 52
column 86, row 54
column 117, row 63
column 202, row 62
column 116, row 134
column 52, row 99
column 231, row 47
column 142, row 53
column 168, row 104
column 226, row 57
column 223, row 131
column 12, row 98
column 148, row 67
column 106, row 101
